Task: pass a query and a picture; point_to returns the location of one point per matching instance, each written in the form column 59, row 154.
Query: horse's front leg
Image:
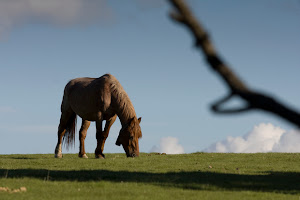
column 102, row 136
column 98, row 151
column 82, row 135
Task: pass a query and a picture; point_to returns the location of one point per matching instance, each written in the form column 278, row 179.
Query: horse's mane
column 121, row 97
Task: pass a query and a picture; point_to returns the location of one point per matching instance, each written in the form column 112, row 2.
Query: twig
column 254, row 99
column 47, row 178
column 6, row 174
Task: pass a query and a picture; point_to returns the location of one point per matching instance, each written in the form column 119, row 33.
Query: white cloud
column 289, row 142
column 263, row 138
column 168, row 145
column 54, row 12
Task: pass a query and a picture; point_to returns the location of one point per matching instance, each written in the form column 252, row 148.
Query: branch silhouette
column 254, row 99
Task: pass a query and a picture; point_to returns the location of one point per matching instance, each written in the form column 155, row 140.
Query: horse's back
column 78, row 83
column 85, row 82
column 88, row 96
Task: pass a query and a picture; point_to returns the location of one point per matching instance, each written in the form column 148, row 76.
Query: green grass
column 151, row 176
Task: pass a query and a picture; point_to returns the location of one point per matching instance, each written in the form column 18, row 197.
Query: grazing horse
column 98, row 99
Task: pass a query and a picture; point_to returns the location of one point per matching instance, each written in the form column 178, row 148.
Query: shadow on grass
column 21, row 158
column 286, row 182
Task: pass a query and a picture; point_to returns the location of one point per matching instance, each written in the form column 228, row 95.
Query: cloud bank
column 54, row 12
column 168, row 145
column 263, row 138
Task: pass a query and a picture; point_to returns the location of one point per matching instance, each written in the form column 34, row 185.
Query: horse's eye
column 131, row 138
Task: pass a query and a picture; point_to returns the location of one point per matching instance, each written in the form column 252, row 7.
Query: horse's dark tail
column 69, row 136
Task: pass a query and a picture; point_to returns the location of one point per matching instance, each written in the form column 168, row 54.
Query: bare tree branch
column 216, row 107
column 254, row 99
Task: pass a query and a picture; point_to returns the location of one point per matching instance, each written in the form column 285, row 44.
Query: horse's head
column 129, row 137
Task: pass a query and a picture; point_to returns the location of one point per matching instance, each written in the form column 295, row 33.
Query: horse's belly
column 94, row 116
column 89, row 116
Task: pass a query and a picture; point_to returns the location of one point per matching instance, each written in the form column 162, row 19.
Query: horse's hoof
column 58, row 155
column 100, row 156
column 83, row 156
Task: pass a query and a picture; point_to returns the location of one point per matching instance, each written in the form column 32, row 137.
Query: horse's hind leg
column 64, row 118
column 82, row 134
column 102, row 135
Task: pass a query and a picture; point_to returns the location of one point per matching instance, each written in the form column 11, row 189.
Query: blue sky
column 45, row 44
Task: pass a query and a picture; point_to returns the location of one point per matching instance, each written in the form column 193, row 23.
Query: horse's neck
column 124, row 108
column 124, row 119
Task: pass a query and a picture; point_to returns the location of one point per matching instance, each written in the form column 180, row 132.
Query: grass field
column 152, row 176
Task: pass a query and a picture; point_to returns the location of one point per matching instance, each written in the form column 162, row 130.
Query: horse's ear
column 140, row 119
column 118, row 142
column 131, row 120
column 130, row 123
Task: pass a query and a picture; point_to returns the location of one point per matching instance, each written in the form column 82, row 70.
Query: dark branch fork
column 254, row 99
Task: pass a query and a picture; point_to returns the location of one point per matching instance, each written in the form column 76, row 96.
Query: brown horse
column 98, row 99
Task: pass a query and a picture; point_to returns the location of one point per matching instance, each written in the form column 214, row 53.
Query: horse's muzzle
column 132, row 155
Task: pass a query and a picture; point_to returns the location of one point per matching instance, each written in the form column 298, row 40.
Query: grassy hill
column 151, row 176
